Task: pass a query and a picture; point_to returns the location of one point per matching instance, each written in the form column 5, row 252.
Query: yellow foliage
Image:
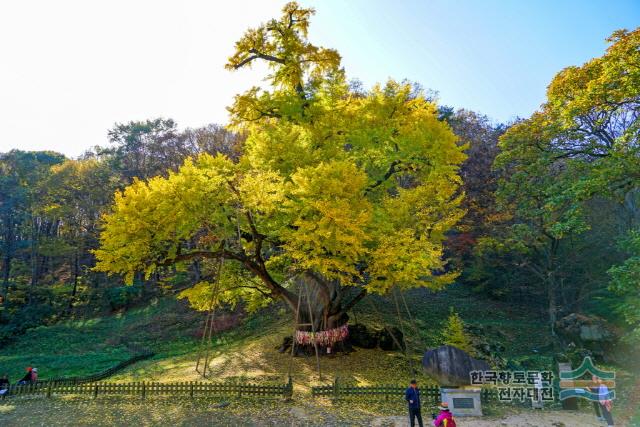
column 330, row 215
column 359, row 187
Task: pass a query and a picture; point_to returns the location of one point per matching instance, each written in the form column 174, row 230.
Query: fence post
column 144, row 390
column 289, row 390
column 191, row 389
column 336, row 390
column 95, row 391
column 49, row 389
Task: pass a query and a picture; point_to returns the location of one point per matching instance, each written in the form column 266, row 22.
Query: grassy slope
column 84, row 347
column 171, row 330
column 248, row 352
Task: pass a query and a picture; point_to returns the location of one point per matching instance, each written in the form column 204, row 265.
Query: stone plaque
column 462, row 401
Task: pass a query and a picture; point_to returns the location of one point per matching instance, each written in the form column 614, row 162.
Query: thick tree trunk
column 317, row 301
column 546, row 272
column 322, row 302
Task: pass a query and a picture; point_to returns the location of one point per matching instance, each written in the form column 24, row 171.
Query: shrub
column 123, row 296
column 455, row 335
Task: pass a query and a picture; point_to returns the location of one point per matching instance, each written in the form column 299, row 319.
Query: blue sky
column 496, row 57
column 70, row 69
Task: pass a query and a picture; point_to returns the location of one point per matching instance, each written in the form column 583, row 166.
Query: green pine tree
column 454, row 334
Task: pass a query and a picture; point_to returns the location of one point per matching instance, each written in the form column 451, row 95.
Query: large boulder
column 591, row 333
column 451, row 366
column 387, row 341
column 581, row 328
column 361, row 336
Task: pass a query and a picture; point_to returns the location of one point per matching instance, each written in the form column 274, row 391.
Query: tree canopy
column 351, row 187
column 581, row 149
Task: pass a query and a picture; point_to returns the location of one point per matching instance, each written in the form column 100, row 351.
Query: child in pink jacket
column 445, row 418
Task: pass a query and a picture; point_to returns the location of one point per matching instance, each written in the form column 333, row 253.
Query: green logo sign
column 598, row 387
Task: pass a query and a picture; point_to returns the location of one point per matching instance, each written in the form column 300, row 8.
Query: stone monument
column 451, row 367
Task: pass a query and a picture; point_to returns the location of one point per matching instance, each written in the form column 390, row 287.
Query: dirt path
column 534, row 419
column 112, row 412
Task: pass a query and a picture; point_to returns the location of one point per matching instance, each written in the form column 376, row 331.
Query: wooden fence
column 205, row 389
column 144, row 389
column 429, row 394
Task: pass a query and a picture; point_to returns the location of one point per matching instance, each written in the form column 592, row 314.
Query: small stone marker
column 570, row 403
column 536, row 400
column 462, row 401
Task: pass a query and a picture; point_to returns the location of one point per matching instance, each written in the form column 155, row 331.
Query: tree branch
column 265, row 294
column 258, row 55
column 258, row 238
column 191, row 255
column 387, row 175
column 354, row 301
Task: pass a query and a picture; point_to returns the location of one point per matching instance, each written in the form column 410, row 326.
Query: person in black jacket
column 27, row 377
column 412, row 396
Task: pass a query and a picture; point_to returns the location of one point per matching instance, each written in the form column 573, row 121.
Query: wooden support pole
column 313, row 330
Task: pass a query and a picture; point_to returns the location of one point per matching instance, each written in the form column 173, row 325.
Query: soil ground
column 111, row 412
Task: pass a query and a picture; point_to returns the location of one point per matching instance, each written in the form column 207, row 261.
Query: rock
column 590, row 333
column 361, row 336
column 451, row 366
column 387, row 342
column 581, row 328
column 596, row 332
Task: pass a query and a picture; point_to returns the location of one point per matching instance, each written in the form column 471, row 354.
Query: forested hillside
column 51, row 213
column 318, row 182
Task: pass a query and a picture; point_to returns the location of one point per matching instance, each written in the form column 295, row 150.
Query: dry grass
column 249, row 354
column 257, row 360
column 107, row 411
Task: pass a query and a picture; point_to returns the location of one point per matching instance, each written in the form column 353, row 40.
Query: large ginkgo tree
column 345, row 190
